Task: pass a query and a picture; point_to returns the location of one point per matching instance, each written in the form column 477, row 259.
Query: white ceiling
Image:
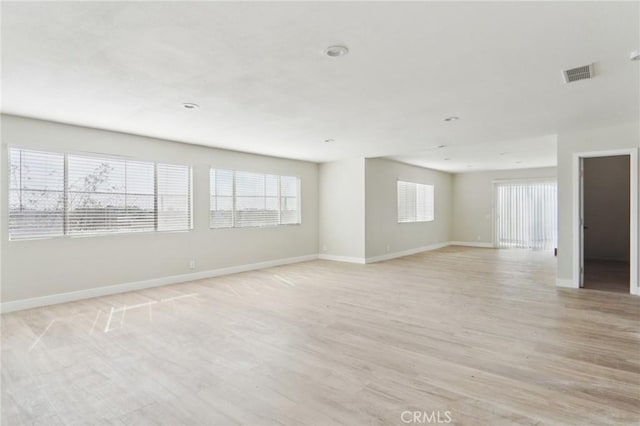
column 258, row 73
column 499, row 155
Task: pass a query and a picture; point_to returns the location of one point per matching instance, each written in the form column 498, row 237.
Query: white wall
column 342, row 214
column 49, row 266
column 383, row 232
column 606, row 208
column 599, row 139
column 473, row 201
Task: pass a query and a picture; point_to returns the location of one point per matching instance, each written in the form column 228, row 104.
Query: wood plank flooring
column 479, row 333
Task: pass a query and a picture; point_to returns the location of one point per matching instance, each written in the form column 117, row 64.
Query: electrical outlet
column 478, row 237
column 388, row 248
column 324, row 247
column 192, row 264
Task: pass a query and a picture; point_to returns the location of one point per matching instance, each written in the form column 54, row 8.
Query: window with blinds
column 526, row 215
column 53, row 194
column 36, row 194
column 173, row 195
column 221, row 203
column 107, row 195
column 245, row 199
column 415, row 202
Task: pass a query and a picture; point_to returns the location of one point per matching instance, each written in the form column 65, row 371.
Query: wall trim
column 407, row 252
column 566, row 283
column 348, row 259
column 35, row 302
column 472, row 244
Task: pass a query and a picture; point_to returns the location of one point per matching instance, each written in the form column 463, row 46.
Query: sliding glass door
column 526, row 215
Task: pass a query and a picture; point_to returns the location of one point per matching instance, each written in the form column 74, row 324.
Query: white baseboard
column 18, row 305
column 406, row 252
column 566, row 283
column 360, row 260
column 471, row 244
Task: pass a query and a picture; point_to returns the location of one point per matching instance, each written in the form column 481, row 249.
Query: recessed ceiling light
column 189, row 105
column 329, row 140
column 452, row 118
column 441, row 146
column 336, row 51
column 635, row 56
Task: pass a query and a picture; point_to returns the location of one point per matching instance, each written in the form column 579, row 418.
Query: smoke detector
column 578, row 73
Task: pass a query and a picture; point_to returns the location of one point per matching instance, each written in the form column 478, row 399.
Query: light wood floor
column 481, row 333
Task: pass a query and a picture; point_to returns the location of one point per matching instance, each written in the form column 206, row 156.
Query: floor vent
column 578, row 73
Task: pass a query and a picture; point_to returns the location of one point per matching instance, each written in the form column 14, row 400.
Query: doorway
column 606, row 214
column 606, row 221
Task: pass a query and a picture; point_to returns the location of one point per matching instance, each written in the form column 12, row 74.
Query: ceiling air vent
column 578, row 73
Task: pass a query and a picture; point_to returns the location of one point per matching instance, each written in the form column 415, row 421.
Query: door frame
column 578, row 243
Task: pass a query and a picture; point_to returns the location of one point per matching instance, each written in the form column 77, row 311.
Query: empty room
column 319, row 213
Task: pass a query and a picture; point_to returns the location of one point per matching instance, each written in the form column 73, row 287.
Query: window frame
column 65, row 211
column 234, row 200
column 417, row 185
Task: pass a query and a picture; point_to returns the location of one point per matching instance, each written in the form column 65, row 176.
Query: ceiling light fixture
column 635, row 56
column 189, row 105
column 452, row 118
column 336, row 51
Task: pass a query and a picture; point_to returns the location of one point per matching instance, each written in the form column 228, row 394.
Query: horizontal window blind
column 415, row 202
column 174, row 197
column 526, row 215
column 256, row 199
column 36, row 194
column 245, row 199
column 107, row 195
column 221, row 186
column 289, row 200
column 54, row 194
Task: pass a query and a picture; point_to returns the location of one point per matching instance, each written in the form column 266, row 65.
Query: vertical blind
column 53, row 194
column 243, row 199
column 415, row 202
column 526, row 215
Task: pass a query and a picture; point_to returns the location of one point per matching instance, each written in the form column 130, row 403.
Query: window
column 526, row 215
column 256, row 199
column 221, row 186
column 54, row 194
column 415, row 202
column 36, row 194
column 174, row 197
column 107, row 195
column 244, row 199
column 289, row 196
